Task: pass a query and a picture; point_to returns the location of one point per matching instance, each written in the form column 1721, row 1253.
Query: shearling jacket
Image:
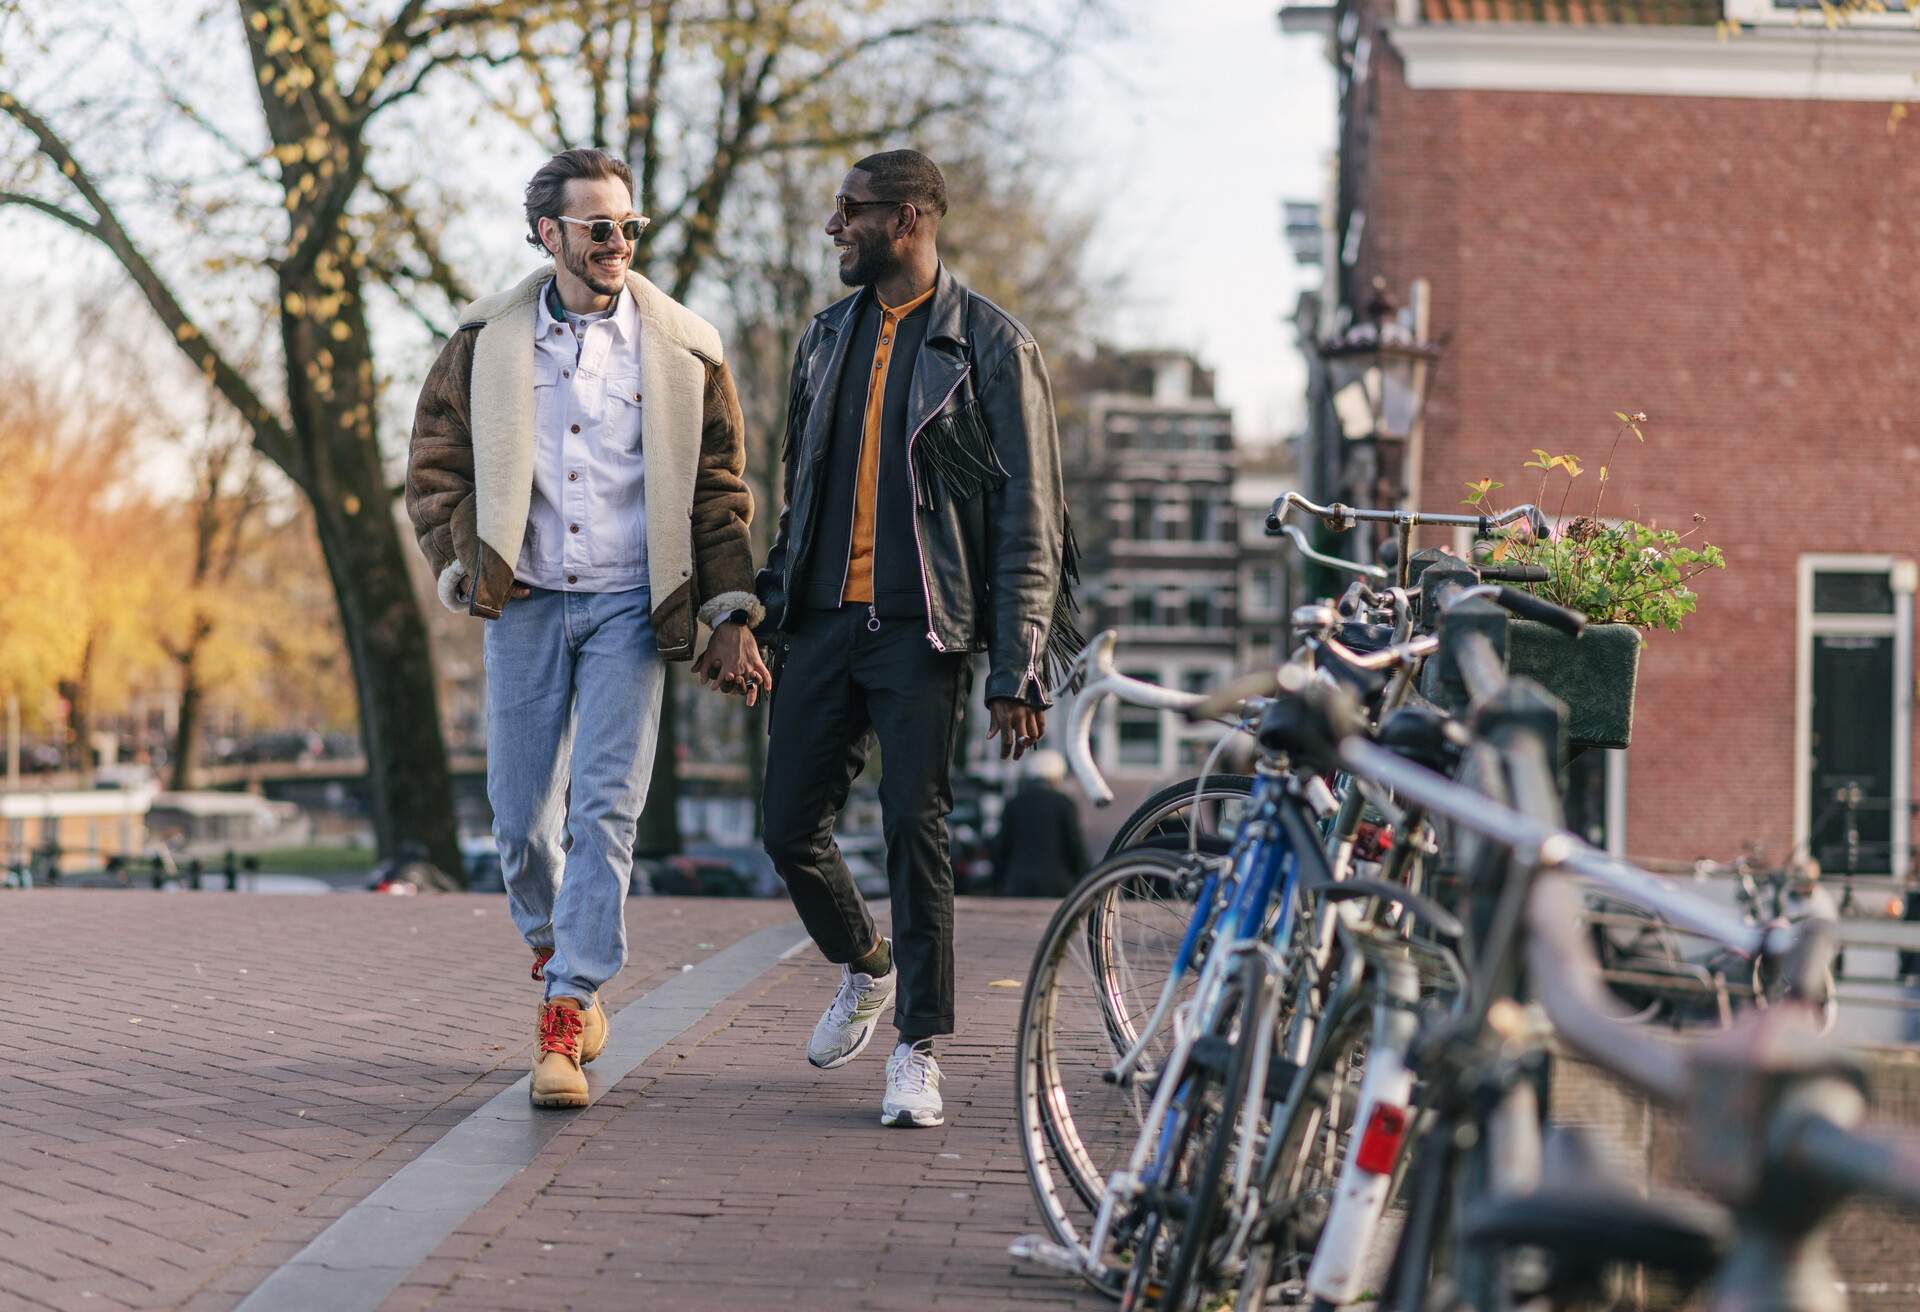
column 997, row 558
column 470, row 464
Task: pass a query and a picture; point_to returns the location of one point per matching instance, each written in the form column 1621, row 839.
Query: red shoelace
column 541, row 956
column 560, row 1030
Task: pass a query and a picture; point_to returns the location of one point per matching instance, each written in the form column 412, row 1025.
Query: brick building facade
column 1615, row 210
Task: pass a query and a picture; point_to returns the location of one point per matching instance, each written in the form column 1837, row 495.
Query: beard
column 873, row 259
column 579, row 262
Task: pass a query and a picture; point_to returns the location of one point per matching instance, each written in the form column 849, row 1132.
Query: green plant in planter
column 1622, row 573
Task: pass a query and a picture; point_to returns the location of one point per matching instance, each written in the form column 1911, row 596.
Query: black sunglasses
column 601, row 230
column 845, row 208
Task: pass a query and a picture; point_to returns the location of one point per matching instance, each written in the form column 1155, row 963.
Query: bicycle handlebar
column 1093, row 671
column 1305, row 548
column 1852, row 1161
column 1527, row 606
column 1513, row 573
column 1340, row 517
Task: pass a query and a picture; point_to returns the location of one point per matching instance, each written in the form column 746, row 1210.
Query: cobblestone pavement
column 194, row 1086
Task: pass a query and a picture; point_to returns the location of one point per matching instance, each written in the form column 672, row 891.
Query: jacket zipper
column 1033, row 661
column 926, row 592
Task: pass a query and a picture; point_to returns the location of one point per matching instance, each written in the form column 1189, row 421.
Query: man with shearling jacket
column 574, row 480
column 924, row 522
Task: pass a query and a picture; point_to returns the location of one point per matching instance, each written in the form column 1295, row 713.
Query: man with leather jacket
column 924, row 522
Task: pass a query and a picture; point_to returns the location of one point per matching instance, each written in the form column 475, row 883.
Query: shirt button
column 879, row 364
column 573, row 475
column 576, row 428
column 573, row 578
column 885, row 340
column 573, row 528
column 565, row 373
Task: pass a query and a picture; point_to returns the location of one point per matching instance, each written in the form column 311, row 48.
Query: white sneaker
column 913, row 1089
column 848, row 1025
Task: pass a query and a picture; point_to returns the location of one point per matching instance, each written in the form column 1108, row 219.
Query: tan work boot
column 593, row 1031
column 558, row 1080
column 593, row 1036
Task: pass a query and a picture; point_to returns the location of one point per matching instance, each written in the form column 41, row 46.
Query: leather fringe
column 953, row 457
column 796, row 415
column 1064, row 639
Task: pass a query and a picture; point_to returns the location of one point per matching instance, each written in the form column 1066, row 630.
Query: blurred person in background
column 1040, row 851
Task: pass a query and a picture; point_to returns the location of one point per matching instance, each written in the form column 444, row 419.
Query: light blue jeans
column 573, row 697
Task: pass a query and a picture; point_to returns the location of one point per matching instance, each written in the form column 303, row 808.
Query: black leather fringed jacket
column 997, row 557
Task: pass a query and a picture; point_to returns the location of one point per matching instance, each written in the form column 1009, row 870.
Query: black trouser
column 840, row 687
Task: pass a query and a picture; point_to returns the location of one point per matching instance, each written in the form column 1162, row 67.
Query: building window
column 1137, row 728
column 1141, row 607
column 1143, row 520
column 1200, row 525
column 1200, row 610
column 1263, row 590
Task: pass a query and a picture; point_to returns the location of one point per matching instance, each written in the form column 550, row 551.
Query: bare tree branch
column 269, row 435
column 439, row 273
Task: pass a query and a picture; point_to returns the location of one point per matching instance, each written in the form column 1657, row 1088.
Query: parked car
column 686, row 875
column 482, row 856
column 752, row 864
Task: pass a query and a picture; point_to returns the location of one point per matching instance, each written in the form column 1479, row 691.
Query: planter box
column 1593, row 674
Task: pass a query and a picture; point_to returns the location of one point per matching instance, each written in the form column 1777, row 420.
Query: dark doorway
column 1851, row 752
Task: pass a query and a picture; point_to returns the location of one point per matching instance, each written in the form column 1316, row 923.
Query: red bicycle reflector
column 1380, row 1142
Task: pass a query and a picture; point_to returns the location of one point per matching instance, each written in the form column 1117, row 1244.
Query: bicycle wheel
column 1173, row 811
column 1310, row 1149
column 1098, row 973
column 1218, row 1118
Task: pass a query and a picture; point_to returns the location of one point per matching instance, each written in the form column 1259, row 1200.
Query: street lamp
column 1378, row 370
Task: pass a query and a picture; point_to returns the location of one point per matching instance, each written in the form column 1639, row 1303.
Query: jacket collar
column 946, row 313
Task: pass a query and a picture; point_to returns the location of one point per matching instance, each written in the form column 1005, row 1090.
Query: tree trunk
column 659, row 833
column 333, row 401
column 186, row 737
column 79, row 696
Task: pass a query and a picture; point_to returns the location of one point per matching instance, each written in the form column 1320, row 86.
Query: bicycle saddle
column 1309, row 726
column 1425, row 736
column 1366, row 684
column 1364, row 637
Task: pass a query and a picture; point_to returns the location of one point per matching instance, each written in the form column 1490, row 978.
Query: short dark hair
column 548, row 186
column 907, row 175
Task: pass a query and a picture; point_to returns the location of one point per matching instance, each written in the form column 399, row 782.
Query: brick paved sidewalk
column 192, row 1087
column 734, row 1176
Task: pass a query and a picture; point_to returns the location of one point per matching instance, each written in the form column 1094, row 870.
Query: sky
column 1203, row 120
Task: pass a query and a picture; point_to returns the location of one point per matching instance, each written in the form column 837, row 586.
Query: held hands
column 1017, row 725
column 731, row 664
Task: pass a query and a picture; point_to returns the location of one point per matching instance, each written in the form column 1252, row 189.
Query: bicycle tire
column 1074, row 1130
column 1154, row 816
column 1333, row 1076
column 1204, row 1196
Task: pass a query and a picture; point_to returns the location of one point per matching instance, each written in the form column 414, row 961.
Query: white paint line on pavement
column 796, row 949
column 365, row 1255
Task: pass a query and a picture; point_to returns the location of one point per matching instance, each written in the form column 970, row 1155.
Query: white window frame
column 1901, row 575
column 1767, row 13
